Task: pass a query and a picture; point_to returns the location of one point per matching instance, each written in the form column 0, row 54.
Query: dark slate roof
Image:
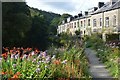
column 116, row 5
column 108, row 7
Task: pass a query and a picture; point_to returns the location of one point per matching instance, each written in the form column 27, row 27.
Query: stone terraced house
column 103, row 19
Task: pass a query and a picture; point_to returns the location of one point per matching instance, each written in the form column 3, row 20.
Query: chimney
column 80, row 15
column 100, row 4
column 86, row 12
column 95, row 8
column 113, row 1
column 75, row 16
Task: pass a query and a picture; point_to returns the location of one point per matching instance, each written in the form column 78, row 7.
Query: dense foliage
column 60, row 64
column 16, row 23
column 25, row 26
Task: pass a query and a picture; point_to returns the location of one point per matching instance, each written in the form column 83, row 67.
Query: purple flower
column 37, row 70
column 40, row 55
column 39, row 62
column 33, row 60
column 0, row 59
column 48, row 58
column 14, row 65
column 44, row 54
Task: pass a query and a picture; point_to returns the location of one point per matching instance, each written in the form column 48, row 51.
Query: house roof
column 108, row 6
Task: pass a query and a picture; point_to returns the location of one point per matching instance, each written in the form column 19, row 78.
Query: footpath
column 97, row 69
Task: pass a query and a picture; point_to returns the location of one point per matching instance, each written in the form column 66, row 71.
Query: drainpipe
column 103, row 34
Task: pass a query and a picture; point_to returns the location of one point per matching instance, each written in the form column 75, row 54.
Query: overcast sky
column 72, row 7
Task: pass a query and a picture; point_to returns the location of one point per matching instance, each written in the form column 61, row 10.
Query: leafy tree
column 63, row 17
column 16, row 23
column 37, row 36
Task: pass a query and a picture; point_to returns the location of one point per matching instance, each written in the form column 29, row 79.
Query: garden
column 64, row 62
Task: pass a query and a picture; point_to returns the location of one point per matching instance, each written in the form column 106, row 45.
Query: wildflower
column 24, row 56
column 64, row 62
column 33, row 60
column 4, row 55
column 16, row 56
column 44, row 54
column 10, row 72
column 53, row 57
column 0, row 59
column 15, row 76
column 48, row 58
column 32, row 53
column 46, row 66
column 113, row 43
column 12, row 56
column 14, row 65
column 3, row 73
column 98, row 49
column 37, row 70
column 39, row 62
column 18, row 73
column 39, row 56
column 57, row 62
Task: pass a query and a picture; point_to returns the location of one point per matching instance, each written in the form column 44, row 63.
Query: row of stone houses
column 103, row 19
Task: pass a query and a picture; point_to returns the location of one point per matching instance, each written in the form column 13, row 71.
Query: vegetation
column 69, row 61
column 108, row 53
column 25, row 26
column 63, row 64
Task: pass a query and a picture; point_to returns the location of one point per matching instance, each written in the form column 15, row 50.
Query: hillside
column 26, row 26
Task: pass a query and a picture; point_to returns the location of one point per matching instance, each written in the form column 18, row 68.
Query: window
column 84, row 23
column 78, row 24
column 94, row 23
column 74, row 24
column 100, row 21
column 107, row 21
column 88, row 22
column 84, row 32
column 114, row 20
column 81, row 24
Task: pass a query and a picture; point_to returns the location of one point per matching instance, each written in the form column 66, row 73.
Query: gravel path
column 97, row 69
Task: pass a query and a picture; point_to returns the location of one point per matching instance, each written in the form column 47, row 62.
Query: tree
column 16, row 23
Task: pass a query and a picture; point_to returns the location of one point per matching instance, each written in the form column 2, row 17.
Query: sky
column 72, row 7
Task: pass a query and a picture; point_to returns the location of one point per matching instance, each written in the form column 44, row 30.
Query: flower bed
column 37, row 64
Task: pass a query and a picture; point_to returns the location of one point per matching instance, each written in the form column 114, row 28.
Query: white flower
column 64, row 62
column 24, row 56
column 12, row 56
column 39, row 56
column 53, row 57
column 16, row 56
column 101, row 50
column 32, row 53
column 37, row 70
